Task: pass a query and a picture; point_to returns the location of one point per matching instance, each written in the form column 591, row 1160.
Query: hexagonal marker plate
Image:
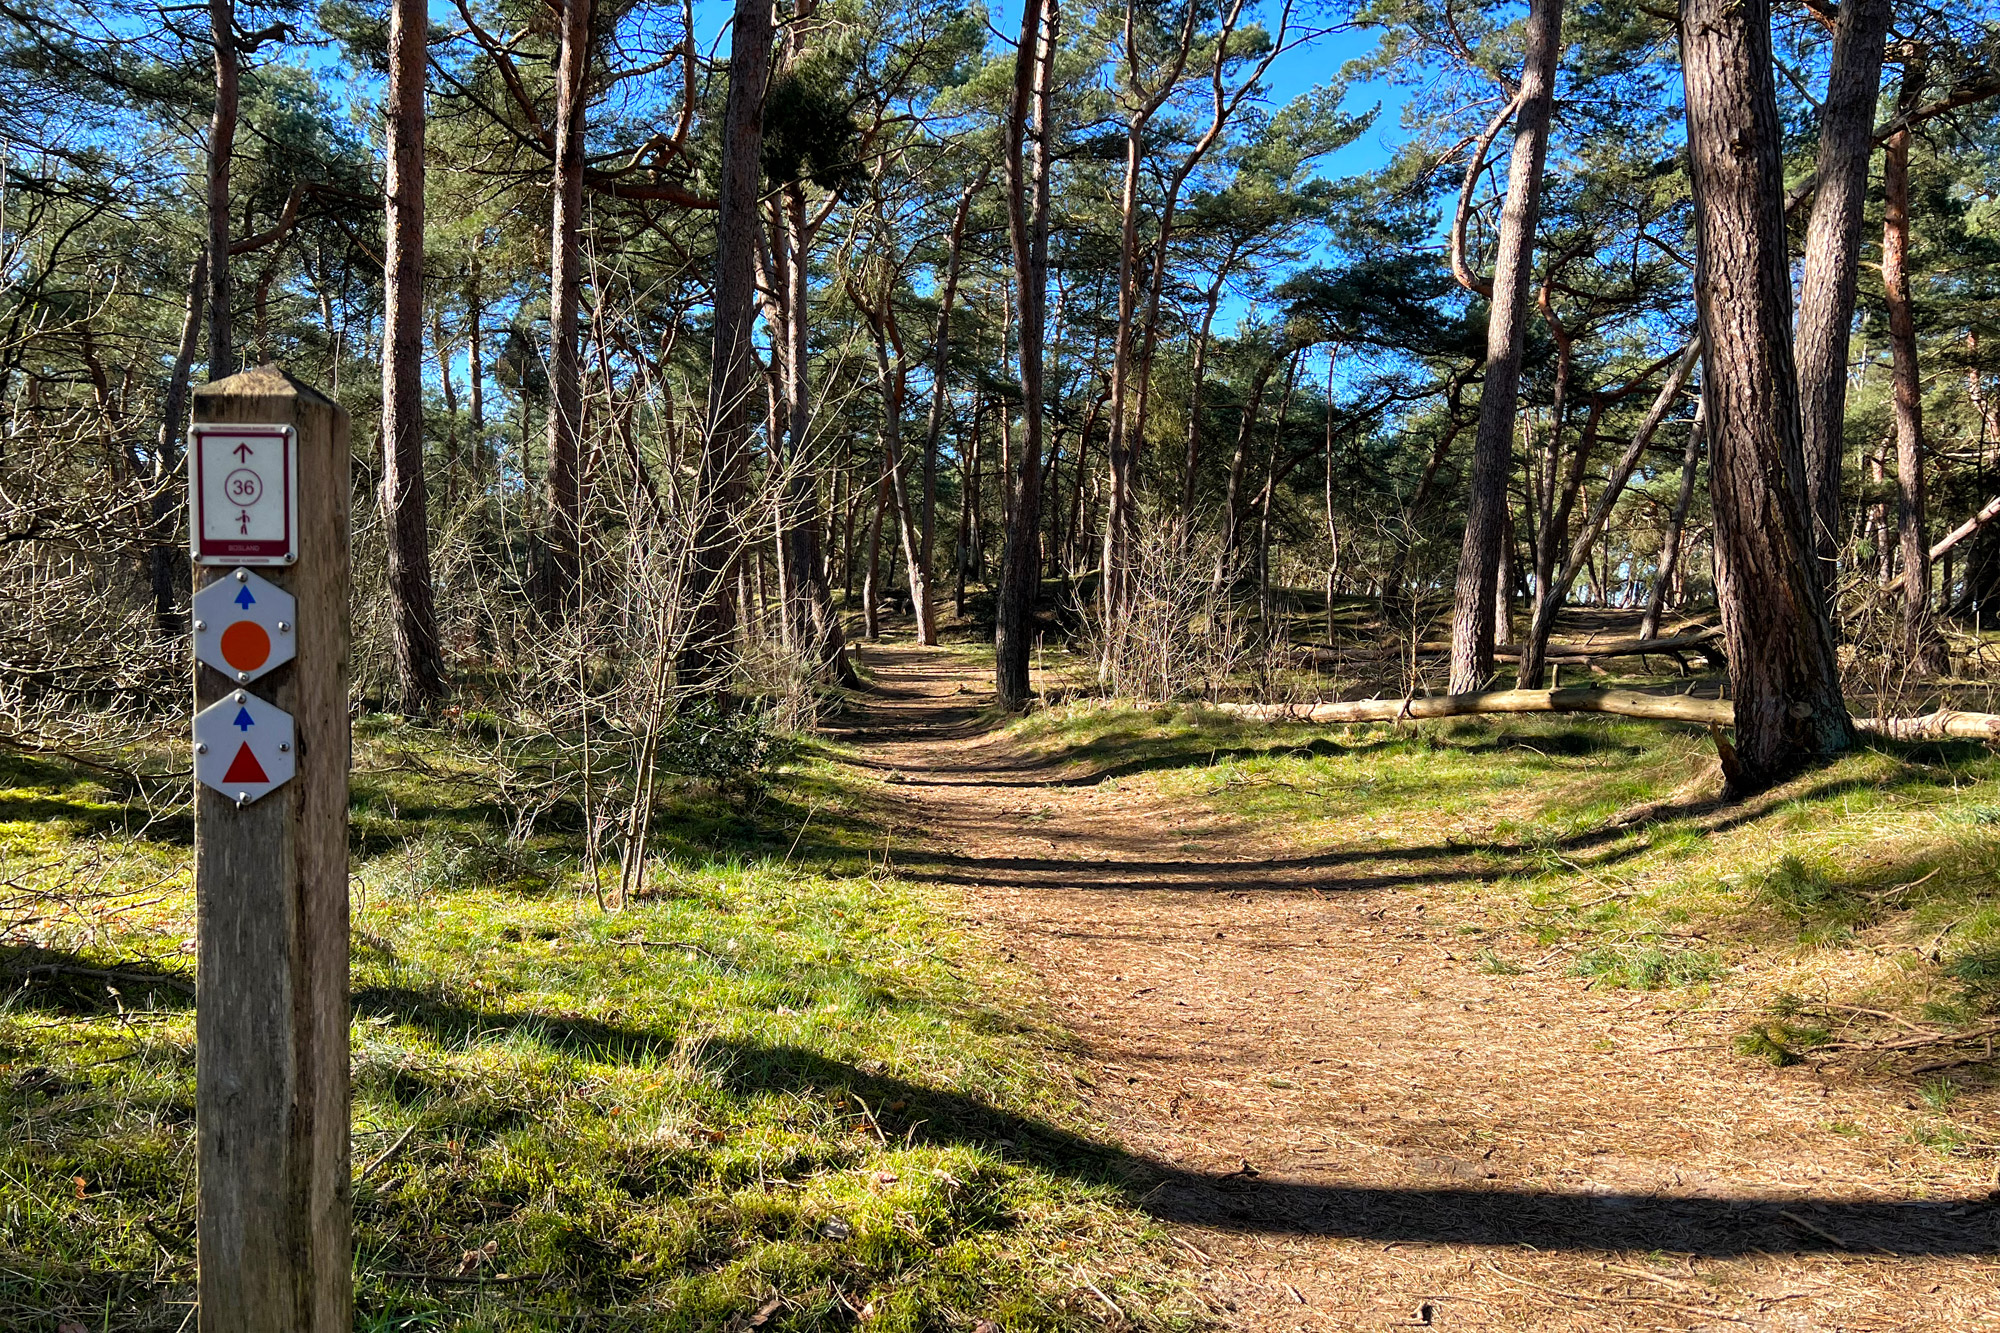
column 244, row 626
column 244, row 747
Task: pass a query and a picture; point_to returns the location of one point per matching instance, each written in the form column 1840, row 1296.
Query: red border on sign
column 277, row 549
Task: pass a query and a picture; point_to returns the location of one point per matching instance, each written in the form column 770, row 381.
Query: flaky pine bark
column 733, row 368
column 559, row 588
column 1922, row 648
column 221, row 147
column 1028, row 230
column 1513, row 272
column 1786, row 683
column 412, row 612
column 1832, row 261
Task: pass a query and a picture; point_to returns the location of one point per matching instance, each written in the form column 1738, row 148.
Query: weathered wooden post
column 269, row 478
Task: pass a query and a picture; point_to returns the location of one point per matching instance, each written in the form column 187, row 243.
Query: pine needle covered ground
column 1853, row 915
column 1500, row 1024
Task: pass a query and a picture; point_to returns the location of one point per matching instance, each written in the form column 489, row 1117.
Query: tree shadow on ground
column 1496, row 1215
column 58, row 981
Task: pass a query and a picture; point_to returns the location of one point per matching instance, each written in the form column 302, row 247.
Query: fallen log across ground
column 1941, row 725
column 1703, row 640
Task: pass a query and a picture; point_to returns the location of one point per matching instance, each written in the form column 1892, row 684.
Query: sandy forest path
column 1353, row 1127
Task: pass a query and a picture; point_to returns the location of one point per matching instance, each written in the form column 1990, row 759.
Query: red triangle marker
column 245, row 768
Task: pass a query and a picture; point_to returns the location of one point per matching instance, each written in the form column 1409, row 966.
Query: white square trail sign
column 244, row 486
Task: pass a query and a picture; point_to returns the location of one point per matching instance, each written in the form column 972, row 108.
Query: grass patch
column 1493, row 964
column 1648, row 965
column 779, row 1075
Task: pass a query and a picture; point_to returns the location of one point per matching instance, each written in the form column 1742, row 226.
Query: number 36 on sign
column 245, row 491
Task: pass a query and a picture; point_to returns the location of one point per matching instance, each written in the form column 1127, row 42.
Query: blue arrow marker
column 244, row 599
column 243, row 720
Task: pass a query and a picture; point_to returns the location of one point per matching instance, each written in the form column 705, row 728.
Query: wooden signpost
column 269, row 479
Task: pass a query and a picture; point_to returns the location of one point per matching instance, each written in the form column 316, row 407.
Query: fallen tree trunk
column 1703, row 640
column 1967, row 528
column 1625, row 703
column 1941, row 725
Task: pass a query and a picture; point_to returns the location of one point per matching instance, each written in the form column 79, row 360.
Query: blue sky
column 1297, row 71
column 1291, row 74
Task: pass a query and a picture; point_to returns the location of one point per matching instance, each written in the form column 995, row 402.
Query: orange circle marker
column 245, row 645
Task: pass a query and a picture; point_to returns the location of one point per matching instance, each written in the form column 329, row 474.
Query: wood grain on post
column 271, row 1076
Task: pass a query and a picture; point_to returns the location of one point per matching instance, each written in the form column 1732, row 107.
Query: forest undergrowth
column 784, row 1090
column 1850, row 918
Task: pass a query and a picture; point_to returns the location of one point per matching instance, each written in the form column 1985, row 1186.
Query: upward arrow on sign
column 243, row 452
column 244, row 599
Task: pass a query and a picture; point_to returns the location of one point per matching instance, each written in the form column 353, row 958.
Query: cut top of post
column 265, row 381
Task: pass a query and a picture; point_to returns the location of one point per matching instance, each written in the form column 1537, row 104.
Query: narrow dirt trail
column 1356, row 1128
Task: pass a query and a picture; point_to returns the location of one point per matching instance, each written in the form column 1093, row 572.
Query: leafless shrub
column 1187, row 635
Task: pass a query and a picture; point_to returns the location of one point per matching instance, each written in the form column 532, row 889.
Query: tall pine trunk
column 1197, row 373
column 871, row 580
column 221, row 147
column 559, row 587
column 970, row 535
column 1560, row 577
column 412, row 612
column 1832, row 262
column 1121, row 512
column 1783, row 674
column 733, row 366
column 940, row 365
column 1513, row 274
column 475, row 356
column 811, row 624
column 1232, row 505
column 1028, row 229
column 167, row 559
column 1670, row 545
column 893, row 380
column 1922, row 648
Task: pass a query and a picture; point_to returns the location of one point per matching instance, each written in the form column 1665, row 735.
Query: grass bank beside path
column 1851, row 917
column 782, row 1091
